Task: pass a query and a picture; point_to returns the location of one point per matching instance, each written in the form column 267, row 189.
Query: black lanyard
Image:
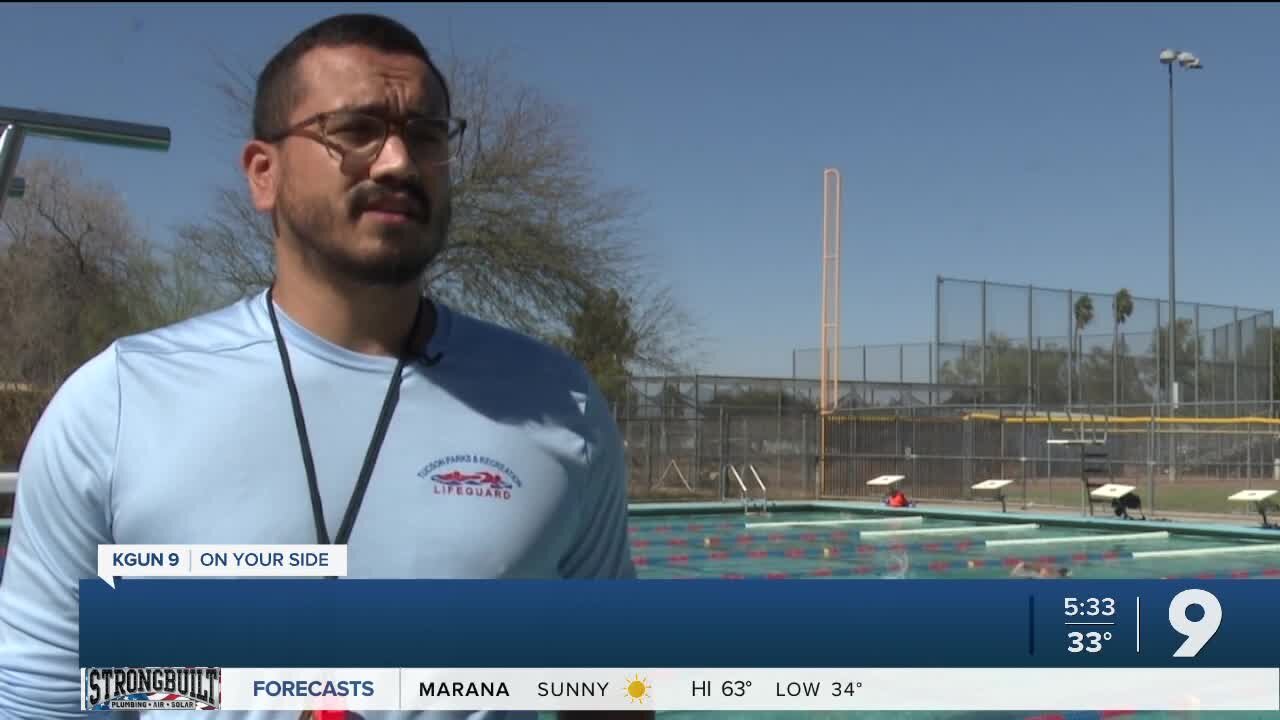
column 375, row 443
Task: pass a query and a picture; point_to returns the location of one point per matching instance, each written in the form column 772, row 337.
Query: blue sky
column 1012, row 143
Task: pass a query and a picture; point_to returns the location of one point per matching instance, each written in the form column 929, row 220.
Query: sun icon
column 637, row 689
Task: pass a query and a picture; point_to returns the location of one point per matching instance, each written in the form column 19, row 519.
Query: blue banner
column 676, row 623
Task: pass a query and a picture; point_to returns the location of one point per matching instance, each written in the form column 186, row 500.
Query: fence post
column 1071, row 347
column 937, row 330
column 982, row 321
column 697, row 433
column 722, row 473
column 1031, row 289
column 1248, row 454
column 915, row 441
column 805, row 470
column 1151, row 460
column 777, row 448
column 1024, row 455
column 1236, row 349
column 1196, row 379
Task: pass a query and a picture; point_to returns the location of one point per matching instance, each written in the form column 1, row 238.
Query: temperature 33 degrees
column 1090, row 642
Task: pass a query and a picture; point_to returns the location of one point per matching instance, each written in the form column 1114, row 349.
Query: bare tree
column 75, row 274
column 533, row 230
column 70, row 255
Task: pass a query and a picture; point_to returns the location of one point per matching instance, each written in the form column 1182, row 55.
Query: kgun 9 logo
column 1197, row 632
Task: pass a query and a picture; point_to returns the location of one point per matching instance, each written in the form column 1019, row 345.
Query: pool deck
column 1219, row 529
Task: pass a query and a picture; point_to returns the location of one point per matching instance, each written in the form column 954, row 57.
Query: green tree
column 1275, row 363
column 1121, row 309
column 1185, row 354
column 1005, row 379
column 1083, row 312
column 765, row 401
column 602, row 339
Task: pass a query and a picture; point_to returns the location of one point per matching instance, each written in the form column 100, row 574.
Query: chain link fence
column 1072, row 347
column 943, row 452
column 685, row 436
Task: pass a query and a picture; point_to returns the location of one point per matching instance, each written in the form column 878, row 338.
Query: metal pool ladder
column 746, row 494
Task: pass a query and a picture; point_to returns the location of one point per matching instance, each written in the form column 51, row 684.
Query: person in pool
column 897, row 498
column 1039, row 570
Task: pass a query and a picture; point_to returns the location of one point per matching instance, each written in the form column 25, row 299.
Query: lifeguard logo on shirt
column 474, row 476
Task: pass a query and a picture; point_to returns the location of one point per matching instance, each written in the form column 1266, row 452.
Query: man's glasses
column 355, row 138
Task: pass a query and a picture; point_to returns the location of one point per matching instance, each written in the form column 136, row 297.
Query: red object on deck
column 329, row 715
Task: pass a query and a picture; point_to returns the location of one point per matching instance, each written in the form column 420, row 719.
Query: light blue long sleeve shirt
column 186, row 435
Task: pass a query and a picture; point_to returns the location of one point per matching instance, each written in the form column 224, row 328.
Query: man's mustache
column 373, row 195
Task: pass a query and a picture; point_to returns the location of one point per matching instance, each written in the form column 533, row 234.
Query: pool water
column 852, row 546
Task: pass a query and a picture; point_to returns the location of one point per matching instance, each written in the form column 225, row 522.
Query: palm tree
column 1121, row 309
column 1084, row 315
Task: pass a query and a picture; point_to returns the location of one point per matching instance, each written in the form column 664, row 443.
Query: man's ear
column 261, row 163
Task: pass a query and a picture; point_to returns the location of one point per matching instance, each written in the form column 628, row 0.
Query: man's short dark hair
column 278, row 88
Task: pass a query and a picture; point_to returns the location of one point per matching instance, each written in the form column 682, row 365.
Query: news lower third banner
column 481, row 624
column 682, row 689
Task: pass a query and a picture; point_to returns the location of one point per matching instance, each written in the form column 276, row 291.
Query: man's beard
column 315, row 225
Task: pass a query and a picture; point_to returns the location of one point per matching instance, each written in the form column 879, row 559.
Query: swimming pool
column 851, row 541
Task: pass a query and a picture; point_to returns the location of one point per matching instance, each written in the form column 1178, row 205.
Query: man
column 494, row 456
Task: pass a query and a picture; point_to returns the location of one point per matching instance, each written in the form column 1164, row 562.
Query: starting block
column 994, row 486
column 1261, row 499
column 1112, row 491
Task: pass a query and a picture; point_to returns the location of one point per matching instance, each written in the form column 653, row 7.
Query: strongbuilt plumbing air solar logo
column 155, row 688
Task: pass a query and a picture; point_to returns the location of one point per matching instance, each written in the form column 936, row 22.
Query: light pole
column 1187, row 61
